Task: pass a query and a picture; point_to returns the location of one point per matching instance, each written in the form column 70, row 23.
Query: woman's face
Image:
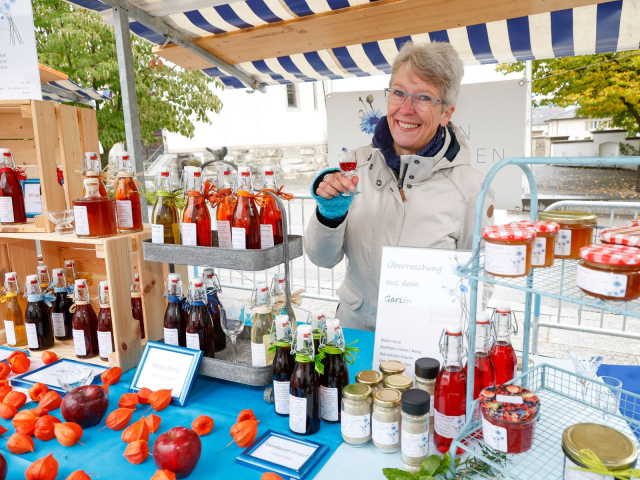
column 412, row 129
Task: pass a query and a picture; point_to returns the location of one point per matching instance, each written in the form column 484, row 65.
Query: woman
column 417, row 187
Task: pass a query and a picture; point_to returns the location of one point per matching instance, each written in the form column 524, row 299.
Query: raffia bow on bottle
column 261, row 197
column 6, row 296
column 177, row 196
column 349, row 351
column 273, row 346
column 19, row 171
column 592, row 464
column 280, row 301
column 301, row 358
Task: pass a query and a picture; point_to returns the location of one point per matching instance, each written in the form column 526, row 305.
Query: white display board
column 490, row 116
column 420, row 294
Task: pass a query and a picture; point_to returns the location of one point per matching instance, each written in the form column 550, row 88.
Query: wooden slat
column 23, row 259
column 13, row 125
column 86, row 260
column 48, row 74
column 24, row 151
column 88, row 130
column 380, row 20
column 70, row 151
column 152, row 284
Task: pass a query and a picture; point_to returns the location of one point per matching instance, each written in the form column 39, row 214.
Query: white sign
column 420, row 294
column 286, row 453
column 32, row 198
column 164, row 369
column 489, row 116
column 18, row 54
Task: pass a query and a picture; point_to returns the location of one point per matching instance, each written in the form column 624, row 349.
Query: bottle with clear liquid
column 200, row 334
column 175, row 316
column 60, row 314
column 451, row 390
column 128, row 205
column 262, row 319
column 317, row 321
column 13, row 317
column 165, row 219
column 196, row 219
column 136, row 303
column 213, row 304
column 92, row 168
column 278, row 293
column 245, row 226
column 271, row 232
column 37, row 317
column 224, row 212
column 283, row 363
column 304, row 399
column 484, row 372
column 336, row 372
column 12, row 211
column 84, row 323
column 95, row 215
column 43, row 276
column 106, row 344
column 502, row 353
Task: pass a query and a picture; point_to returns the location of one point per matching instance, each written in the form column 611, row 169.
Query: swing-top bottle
column 271, row 232
column 175, row 317
column 12, row 210
column 484, row 372
column 262, row 318
column 278, row 293
column 91, row 168
column 502, row 354
column 283, row 363
column 128, row 204
column 37, row 317
column 165, row 218
column 106, row 344
column 212, row 285
column 304, row 401
column 61, row 316
column 136, row 303
column 336, row 372
column 85, row 322
column 245, row 225
column 196, row 219
column 224, row 212
column 13, row 317
column 200, row 334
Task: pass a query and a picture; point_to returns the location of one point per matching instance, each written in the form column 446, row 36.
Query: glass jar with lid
column 371, row 378
column 627, row 236
column 576, row 229
column 386, row 420
column 400, row 382
column 391, row 367
column 426, row 372
column 415, row 429
column 542, row 254
column 507, row 250
column 614, row 449
column 355, row 421
column 610, row 272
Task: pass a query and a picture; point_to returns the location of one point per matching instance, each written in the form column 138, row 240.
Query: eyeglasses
column 421, row 101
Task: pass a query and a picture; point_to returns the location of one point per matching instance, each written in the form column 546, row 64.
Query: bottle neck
column 92, row 191
column 483, row 337
column 503, row 333
column 453, row 351
column 244, row 184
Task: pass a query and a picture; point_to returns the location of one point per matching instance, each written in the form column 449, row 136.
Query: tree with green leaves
column 80, row 44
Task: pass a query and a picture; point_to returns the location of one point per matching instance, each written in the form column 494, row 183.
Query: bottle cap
column 503, row 307
column 5, row 152
column 392, row 367
column 303, row 331
column 281, row 325
column 207, row 272
column 454, row 329
column 369, row 377
column 280, row 278
column 58, row 272
column 136, row 277
column 81, row 282
column 416, row 402
column 174, row 278
column 164, row 172
column 31, row 279
column 10, row 275
column 317, row 319
column 483, row 318
column 104, row 284
column 90, row 181
column 356, row 391
column 197, row 172
column 42, row 269
column 69, row 263
column 427, row 368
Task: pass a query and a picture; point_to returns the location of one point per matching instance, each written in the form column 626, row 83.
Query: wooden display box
column 114, row 259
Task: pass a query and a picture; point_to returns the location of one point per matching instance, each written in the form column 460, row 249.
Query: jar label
column 105, row 346
column 266, row 236
column 281, row 397
column 329, row 403
column 79, row 344
column 505, row 259
column 81, row 220
column 570, row 474
column 415, row 444
column 355, row 426
column 258, row 355
column 157, row 233
column 385, row 433
column 171, row 336
column 6, row 210
column 539, row 251
column 239, row 238
column 10, row 332
column 496, row 437
column 224, row 234
column 297, row 414
column 125, row 213
column 563, row 243
column 193, row 341
column 602, row 283
column 58, row 324
column 189, row 234
column 447, row 426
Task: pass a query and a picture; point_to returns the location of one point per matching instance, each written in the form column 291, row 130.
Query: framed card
column 165, row 366
column 64, row 370
column 285, row 455
column 6, row 351
column 32, row 197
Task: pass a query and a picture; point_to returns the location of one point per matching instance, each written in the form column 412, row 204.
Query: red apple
column 85, row 405
column 3, row 468
column 178, row 451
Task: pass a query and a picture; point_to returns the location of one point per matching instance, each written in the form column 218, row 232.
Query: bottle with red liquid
column 128, row 206
column 304, row 399
column 196, row 219
column 283, row 362
column 212, row 285
column 336, row 372
column 224, row 212
column 200, row 334
column 91, row 168
column 270, row 213
column 60, row 314
column 175, row 316
column 450, row 391
column 95, row 215
column 484, row 372
column 105, row 328
column 502, row 353
column 37, row 317
column 85, row 322
column 245, row 225
column 12, row 209
column 136, row 303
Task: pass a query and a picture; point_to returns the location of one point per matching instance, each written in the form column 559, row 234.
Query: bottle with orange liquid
column 196, row 219
column 502, row 354
column 12, row 312
column 12, row 209
column 128, row 206
column 95, row 216
column 245, row 225
column 91, row 168
column 270, row 213
column 224, row 212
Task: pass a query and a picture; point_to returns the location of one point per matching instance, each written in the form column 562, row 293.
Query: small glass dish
column 70, row 379
column 62, row 220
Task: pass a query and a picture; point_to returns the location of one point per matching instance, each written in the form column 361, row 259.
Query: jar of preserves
column 355, row 422
column 576, row 229
column 628, row 236
column 391, row 367
column 507, row 250
column 614, row 450
column 415, row 429
column 542, row 254
column 426, row 372
column 633, row 223
column 400, row 382
column 386, row 420
column 610, row 272
column 371, row 378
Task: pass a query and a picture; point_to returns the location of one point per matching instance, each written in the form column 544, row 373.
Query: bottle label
column 570, row 474
column 258, row 355
column 494, row 436
column 78, row 342
column 6, row 210
column 104, row 344
column 81, row 220
column 355, row 426
column 447, row 426
column 563, row 243
column 281, row 397
column 415, row 444
column 10, row 332
column 189, row 234
column 171, row 336
column 193, row 341
column 239, row 238
column 224, row 234
column 32, row 335
column 125, row 213
column 602, row 283
column 539, row 251
column 58, row 324
column 157, row 233
column 297, row 414
column 505, row 259
column 329, row 403
column 385, row 433
column 266, row 236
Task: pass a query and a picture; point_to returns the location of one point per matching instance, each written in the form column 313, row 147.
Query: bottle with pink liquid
column 502, row 353
column 484, row 373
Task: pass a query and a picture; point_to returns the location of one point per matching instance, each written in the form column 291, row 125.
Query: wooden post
column 152, row 285
column 70, row 152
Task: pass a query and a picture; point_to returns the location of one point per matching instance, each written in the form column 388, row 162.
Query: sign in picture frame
column 32, row 197
column 48, row 374
column 5, row 352
column 165, row 366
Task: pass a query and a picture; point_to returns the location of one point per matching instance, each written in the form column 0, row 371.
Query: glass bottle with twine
column 165, row 218
column 92, row 168
column 12, row 210
column 283, row 363
column 128, row 205
column 37, row 317
column 85, row 322
column 13, row 317
column 304, row 400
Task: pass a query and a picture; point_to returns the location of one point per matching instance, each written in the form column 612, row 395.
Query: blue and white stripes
column 69, row 86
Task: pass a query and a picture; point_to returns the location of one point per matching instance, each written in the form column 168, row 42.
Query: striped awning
column 592, row 28
column 66, row 90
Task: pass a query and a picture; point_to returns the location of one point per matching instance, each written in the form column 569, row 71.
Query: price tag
column 239, row 238
column 79, row 344
column 266, row 236
column 125, row 213
column 81, row 220
column 224, row 234
column 189, row 234
column 157, row 233
column 6, row 210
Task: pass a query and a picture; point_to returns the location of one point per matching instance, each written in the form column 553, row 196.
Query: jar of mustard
column 576, row 230
column 507, row 250
column 610, row 272
column 542, row 254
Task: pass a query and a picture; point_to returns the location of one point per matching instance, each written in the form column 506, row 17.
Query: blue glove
column 335, row 208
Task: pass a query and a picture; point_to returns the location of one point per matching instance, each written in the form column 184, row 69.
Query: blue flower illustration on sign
column 369, row 117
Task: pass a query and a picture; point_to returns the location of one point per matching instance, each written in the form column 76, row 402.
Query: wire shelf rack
column 565, row 399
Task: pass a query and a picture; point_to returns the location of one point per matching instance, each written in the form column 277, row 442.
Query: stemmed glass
column 232, row 322
column 348, row 167
column 609, row 399
column 587, row 366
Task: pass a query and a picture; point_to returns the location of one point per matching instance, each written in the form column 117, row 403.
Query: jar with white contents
column 355, row 422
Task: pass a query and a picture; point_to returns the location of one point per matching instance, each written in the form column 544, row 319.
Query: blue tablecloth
column 218, row 399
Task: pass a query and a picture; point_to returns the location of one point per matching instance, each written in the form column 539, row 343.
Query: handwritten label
column 79, row 344
column 171, row 336
column 6, row 210
column 239, row 238
column 297, row 414
column 125, row 213
column 258, row 355
column 157, row 233
column 10, row 332
column 281, row 451
column 81, row 220
column 266, row 236
column 447, row 426
column 281, row 397
column 189, row 234
column 385, row 433
column 32, row 198
column 563, row 243
column 164, row 369
column 509, row 399
column 224, row 234
column 193, row 341
column 329, row 403
column 495, row 436
column 355, row 426
column 505, row 259
column 105, row 345
column 415, row 444
column 602, row 283
column 58, row 324
column 32, row 335
column 539, row 251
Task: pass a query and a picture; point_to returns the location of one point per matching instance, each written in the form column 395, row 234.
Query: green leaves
column 433, row 467
column 397, row 474
column 430, row 465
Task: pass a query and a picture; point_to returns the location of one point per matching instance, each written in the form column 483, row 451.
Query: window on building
column 292, row 96
column 595, row 124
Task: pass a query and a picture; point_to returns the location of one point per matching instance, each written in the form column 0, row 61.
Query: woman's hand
column 334, row 184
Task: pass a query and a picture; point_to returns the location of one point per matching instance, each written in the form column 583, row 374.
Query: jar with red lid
column 610, row 272
column 633, row 223
column 509, row 417
column 542, row 254
column 507, row 250
column 576, row 230
column 628, row 236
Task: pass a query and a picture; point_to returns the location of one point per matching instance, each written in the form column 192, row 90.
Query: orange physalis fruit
column 3, row 430
column 15, row 399
column 44, row 430
column 137, row 452
column 153, row 422
column 44, row 469
column 5, row 370
column 76, row 428
column 20, row 364
column 106, row 388
column 79, row 475
column 20, row 443
column 119, row 418
column 245, row 415
column 49, row 357
column 7, row 411
column 245, row 432
column 17, row 353
column 143, row 395
column 163, row 475
column 136, row 431
column 160, row 399
column 25, row 422
column 202, row 425
column 4, row 391
column 111, row 376
column 270, row 476
column 37, row 391
column 65, row 434
column 128, row 400
column 41, row 412
column 51, row 400
column 3, row 382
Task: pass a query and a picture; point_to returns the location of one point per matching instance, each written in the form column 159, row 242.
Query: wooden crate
column 114, row 259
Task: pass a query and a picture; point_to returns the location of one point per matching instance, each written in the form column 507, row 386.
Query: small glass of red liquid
column 348, row 167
